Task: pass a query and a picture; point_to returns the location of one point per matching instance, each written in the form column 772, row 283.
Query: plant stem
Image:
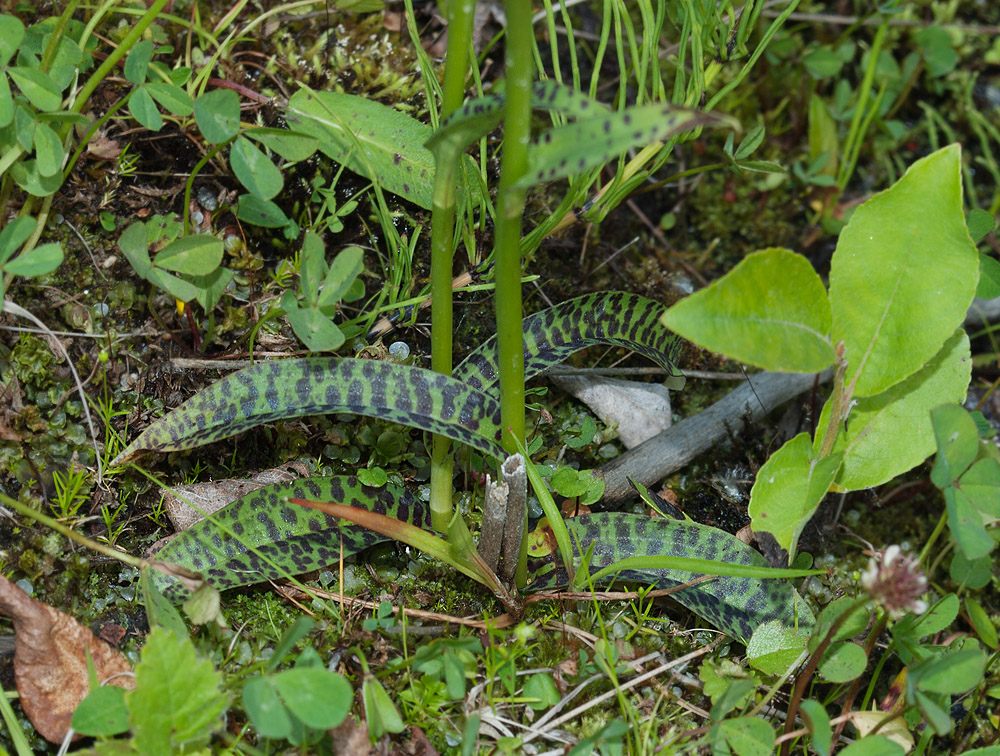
column 513, row 165
column 442, row 249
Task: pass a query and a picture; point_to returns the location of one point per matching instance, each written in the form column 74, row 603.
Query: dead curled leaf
column 50, row 661
column 641, row 410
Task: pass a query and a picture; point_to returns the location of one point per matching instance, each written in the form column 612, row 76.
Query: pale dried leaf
column 641, row 410
column 50, row 661
column 206, row 498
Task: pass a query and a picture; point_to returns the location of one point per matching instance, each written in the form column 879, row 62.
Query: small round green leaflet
column 891, row 433
column 254, row 169
column 218, row 115
column 818, row 722
column 873, row 745
column 843, row 662
column 102, row 712
column 771, row 311
column 773, row 647
column 195, row 255
column 745, row 736
column 789, row 488
column 903, row 275
column 317, row 697
column 957, row 443
column 144, row 110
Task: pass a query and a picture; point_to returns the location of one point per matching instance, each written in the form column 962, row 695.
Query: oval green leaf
column 218, row 115
column 11, row 36
column 39, row 88
column 260, row 212
column 788, row 489
column 171, row 97
column 904, row 274
column 144, row 110
column 254, row 169
column 137, row 62
column 319, row 698
column 771, row 311
column 48, row 150
column 291, row 145
column 891, row 433
column 36, row 262
column 195, row 255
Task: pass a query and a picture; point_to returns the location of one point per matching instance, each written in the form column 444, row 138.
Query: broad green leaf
column 823, row 135
column 48, row 150
column 211, row 287
column 260, row 212
column 313, row 328
column 27, row 176
column 380, row 712
column 178, row 288
column 539, row 686
column 771, row 310
column 170, row 96
column 970, row 573
column 788, row 489
column 178, row 701
column 939, row 616
column 67, row 62
column 957, row 443
column 6, row 102
column 312, row 268
column 981, row 485
column 843, row 662
column 371, row 139
column 137, row 62
column 291, row 145
column 39, row 88
column 903, row 275
column 144, row 110
column 873, row 745
column 11, row 36
column 254, row 169
column 748, row 736
column 980, row 223
column 989, row 277
column 319, row 698
column 195, row 255
column 818, row 722
column 980, row 620
column 102, row 713
column 966, row 525
column 950, row 672
column 134, row 245
column 294, row 388
column 14, row 235
column 218, row 115
column 935, row 710
column 774, row 647
column 344, row 269
column 24, row 126
column 891, row 433
column 266, row 711
column 37, row 261
column 579, row 146
column 822, row 62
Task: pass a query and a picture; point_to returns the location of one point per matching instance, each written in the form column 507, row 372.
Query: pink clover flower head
column 895, row 582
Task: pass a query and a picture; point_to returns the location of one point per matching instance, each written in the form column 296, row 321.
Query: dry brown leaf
column 641, row 410
column 103, row 148
column 351, row 738
column 210, row 497
column 50, row 661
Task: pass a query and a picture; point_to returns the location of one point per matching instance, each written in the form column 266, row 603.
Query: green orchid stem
column 510, row 206
column 442, row 249
column 57, row 526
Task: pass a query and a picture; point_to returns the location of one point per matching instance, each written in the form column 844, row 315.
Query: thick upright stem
column 513, row 165
column 442, row 242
